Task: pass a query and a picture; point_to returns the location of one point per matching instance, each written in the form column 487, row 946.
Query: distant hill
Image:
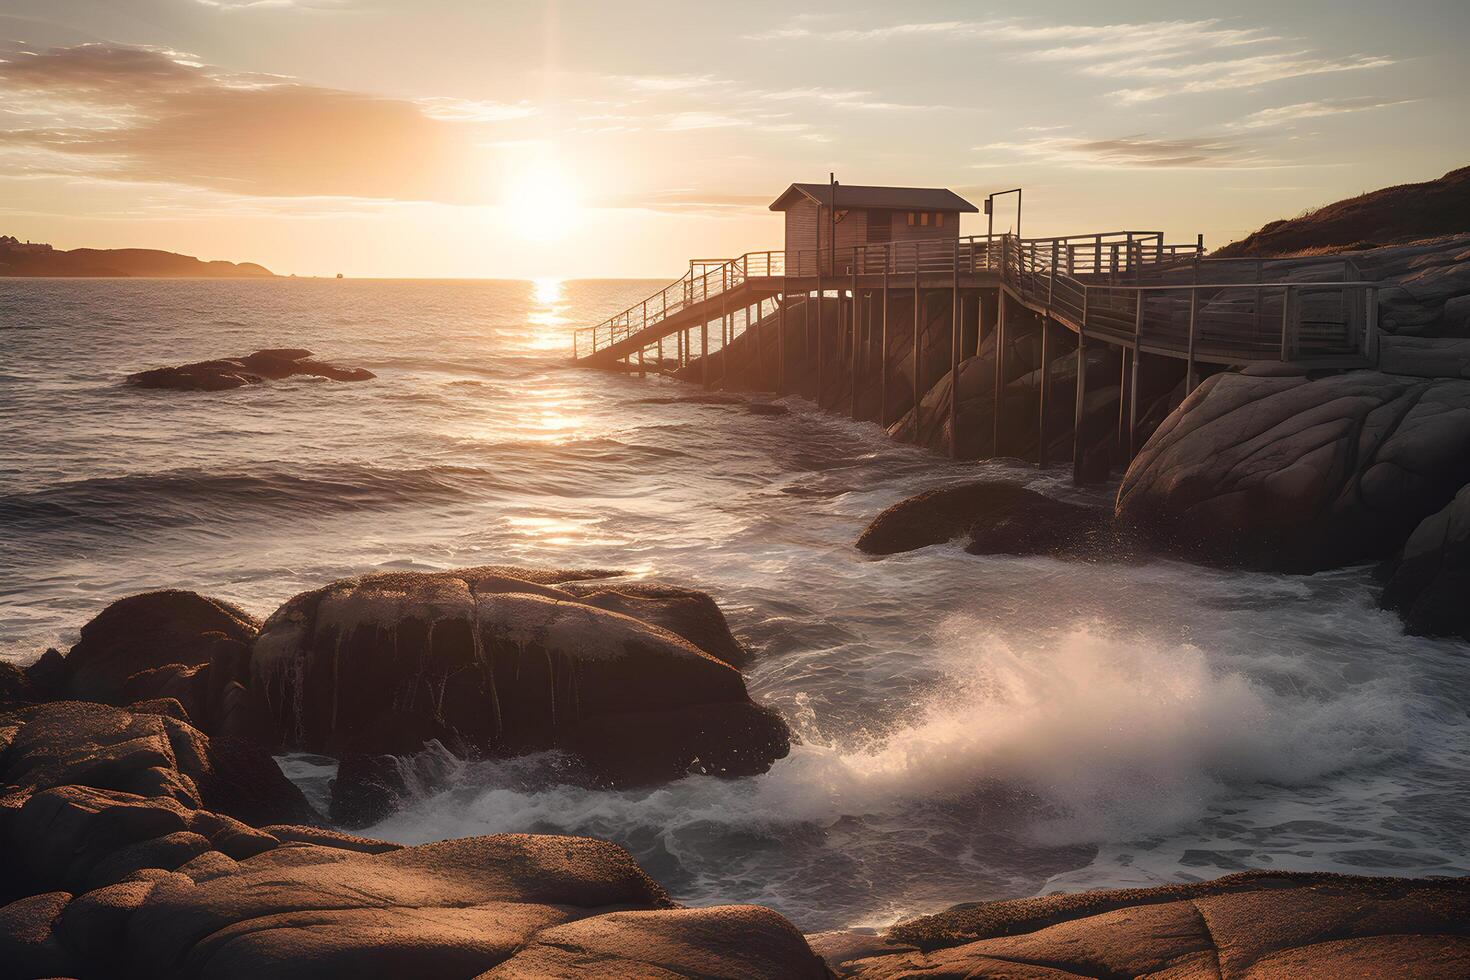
column 19, row 258
column 1391, row 216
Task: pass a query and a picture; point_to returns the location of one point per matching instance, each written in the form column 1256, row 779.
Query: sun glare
column 542, row 206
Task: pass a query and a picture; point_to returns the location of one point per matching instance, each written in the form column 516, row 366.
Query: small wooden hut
column 863, row 215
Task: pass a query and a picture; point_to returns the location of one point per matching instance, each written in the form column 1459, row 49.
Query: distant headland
column 18, row 258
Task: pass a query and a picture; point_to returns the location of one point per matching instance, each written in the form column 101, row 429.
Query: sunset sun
column 541, row 205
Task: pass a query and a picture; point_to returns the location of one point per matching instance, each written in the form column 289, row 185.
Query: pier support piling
column 1042, row 393
column 1079, row 408
column 1000, row 369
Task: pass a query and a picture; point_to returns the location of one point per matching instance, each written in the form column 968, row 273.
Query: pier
column 873, row 327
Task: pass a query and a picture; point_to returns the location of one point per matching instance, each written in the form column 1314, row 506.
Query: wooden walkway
column 1128, row 289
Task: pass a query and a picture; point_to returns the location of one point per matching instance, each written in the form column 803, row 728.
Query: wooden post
column 883, row 357
column 854, row 367
column 660, row 354
column 704, row 353
column 1079, row 407
column 1122, row 401
column 1286, row 323
column 918, row 361
column 1000, row 365
column 821, row 347
column 1043, row 389
column 754, row 326
column 954, row 355
column 1190, row 371
column 642, row 371
column 781, row 340
column 1133, row 406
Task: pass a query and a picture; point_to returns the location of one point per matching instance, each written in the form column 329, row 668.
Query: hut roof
column 863, row 196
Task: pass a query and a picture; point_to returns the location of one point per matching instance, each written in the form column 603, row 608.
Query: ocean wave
column 190, row 496
column 1087, row 739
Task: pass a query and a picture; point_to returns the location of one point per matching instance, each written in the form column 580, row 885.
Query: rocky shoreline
column 146, row 830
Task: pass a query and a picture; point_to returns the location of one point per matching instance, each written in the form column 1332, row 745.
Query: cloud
column 148, row 114
column 1181, row 56
column 1140, row 151
column 1282, row 115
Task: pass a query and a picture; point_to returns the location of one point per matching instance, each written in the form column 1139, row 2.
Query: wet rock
column 641, row 749
column 734, row 942
column 510, row 664
column 149, row 631
column 367, row 788
column 688, row 613
column 47, row 676
column 1256, row 923
column 15, row 686
column 221, row 375
column 999, row 518
column 301, row 834
column 1429, row 581
column 1282, row 472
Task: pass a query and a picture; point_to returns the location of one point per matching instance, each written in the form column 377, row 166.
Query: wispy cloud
column 1176, row 56
column 1139, row 150
column 1282, row 115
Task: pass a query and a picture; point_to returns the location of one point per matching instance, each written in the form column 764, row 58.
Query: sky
column 502, row 139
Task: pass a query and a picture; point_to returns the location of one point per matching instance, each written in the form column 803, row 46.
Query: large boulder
column 1429, row 581
column 150, row 631
column 1276, row 470
column 1261, row 923
column 998, row 517
column 509, row 661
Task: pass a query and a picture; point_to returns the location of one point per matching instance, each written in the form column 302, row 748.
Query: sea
column 968, row 728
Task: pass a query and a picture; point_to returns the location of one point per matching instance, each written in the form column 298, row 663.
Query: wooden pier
column 1129, row 290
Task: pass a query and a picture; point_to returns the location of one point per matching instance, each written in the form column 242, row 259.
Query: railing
column 1245, row 310
column 1115, row 254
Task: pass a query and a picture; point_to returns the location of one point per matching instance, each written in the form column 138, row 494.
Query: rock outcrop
column 220, row 375
column 119, row 857
column 509, row 661
column 1257, row 923
column 1275, row 470
column 998, row 517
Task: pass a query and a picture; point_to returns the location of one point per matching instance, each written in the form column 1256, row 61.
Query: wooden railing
column 1220, row 310
column 1118, row 255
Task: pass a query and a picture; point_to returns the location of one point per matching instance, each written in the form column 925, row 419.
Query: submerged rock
column 511, row 661
column 221, row 375
column 999, row 517
column 1257, row 923
column 1283, row 472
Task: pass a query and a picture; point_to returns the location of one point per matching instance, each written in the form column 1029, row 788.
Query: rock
column 47, row 676
column 733, row 942
column 684, row 612
column 221, row 375
column 90, row 794
column 641, row 749
column 1430, row 580
column 998, row 516
column 1256, row 923
column 148, row 631
column 28, row 942
column 455, row 908
column 1292, row 474
column 15, row 685
column 300, row 834
column 366, row 789
column 506, row 659
column 766, row 408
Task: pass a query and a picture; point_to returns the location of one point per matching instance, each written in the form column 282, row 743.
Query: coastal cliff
column 21, row 259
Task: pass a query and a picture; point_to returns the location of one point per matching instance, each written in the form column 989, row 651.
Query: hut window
column 924, row 218
column 911, row 219
column 939, row 219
